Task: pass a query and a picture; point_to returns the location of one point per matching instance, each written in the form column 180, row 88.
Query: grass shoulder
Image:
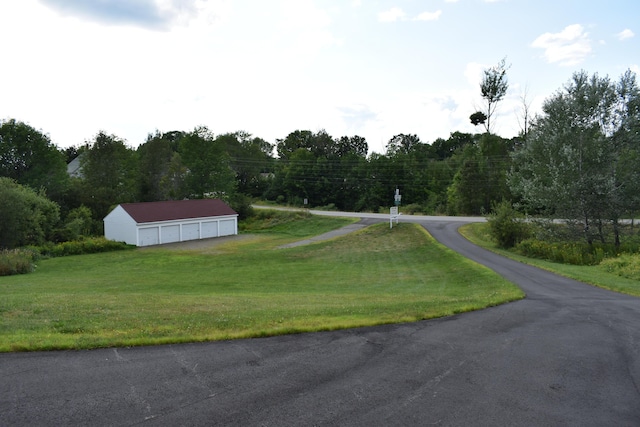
column 596, row 275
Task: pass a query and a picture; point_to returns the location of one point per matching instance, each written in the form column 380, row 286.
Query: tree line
column 578, row 159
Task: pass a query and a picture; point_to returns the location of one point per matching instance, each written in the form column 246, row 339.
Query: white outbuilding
column 156, row 223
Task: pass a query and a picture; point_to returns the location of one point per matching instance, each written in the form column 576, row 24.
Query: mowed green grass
column 243, row 288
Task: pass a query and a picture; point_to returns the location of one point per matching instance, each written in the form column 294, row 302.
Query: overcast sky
column 374, row 68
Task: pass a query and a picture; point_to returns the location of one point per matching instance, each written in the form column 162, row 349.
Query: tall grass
column 17, row 261
column 614, row 272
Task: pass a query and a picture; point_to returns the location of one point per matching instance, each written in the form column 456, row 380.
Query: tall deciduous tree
column 493, row 88
column 580, row 160
column 154, row 159
column 109, row 168
column 481, row 178
column 402, row 144
column 28, row 156
column 209, row 172
column 249, row 158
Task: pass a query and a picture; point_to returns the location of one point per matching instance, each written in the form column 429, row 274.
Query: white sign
column 393, row 214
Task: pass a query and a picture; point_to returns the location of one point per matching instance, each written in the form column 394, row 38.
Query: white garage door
column 148, row 236
column 190, row 231
column 170, row 233
column 209, row 229
column 227, row 227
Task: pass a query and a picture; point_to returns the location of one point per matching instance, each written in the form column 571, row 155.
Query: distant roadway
column 566, row 355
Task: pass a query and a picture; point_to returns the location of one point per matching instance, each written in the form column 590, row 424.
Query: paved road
column 568, row 354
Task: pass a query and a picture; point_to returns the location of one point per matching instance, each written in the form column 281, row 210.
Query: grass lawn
column 594, row 274
column 243, row 288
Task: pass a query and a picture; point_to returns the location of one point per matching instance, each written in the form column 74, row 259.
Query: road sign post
column 393, row 214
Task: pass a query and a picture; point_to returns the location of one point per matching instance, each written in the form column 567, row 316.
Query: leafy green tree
column 173, row 185
column 493, row 88
column 482, row 178
column 28, row 217
column 580, row 159
column 298, row 180
column 354, row 145
column 249, row 157
column 465, row 195
column 402, row 144
column 294, row 141
column 478, row 118
column 154, row 161
column 110, row 173
column 209, row 172
column 443, row 149
column 28, row 156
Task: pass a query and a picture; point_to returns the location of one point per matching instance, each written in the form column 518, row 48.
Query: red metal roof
column 176, row 209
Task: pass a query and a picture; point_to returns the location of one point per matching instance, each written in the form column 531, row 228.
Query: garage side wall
column 120, row 227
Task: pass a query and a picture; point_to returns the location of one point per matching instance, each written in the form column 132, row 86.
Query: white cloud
column 428, row 16
column 625, row 34
column 568, row 47
column 391, row 15
column 150, row 14
column 396, row 14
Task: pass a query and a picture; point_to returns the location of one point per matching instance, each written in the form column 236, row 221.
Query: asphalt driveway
column 568, row 354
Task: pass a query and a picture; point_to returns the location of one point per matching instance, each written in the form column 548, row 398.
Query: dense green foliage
column 17, row 261
column 28, row 157
column 626, row 265
column 90, row 245
column 581, row 159
column 507, row 226
column 26, row 217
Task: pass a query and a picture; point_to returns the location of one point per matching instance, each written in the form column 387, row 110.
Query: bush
column 83, row 246
column 17, row 261
column 412, row 209
column 626, row 265
column 576, row 253
column 242, row 205
column 28, row 217
column 507, row 226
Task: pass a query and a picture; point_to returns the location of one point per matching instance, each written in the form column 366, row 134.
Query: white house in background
column 155, row 223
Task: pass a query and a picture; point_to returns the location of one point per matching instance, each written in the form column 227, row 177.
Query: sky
column 373, row 68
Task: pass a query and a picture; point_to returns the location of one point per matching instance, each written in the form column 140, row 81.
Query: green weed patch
column 617, row 273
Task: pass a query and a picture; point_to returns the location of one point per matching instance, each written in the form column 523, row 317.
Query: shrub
column 83, row 246
column 242, row 205
column 17, row 261
column 329, row 207
column 507, row 226
column 577, row 253
column 412, row 209
column 626, row 265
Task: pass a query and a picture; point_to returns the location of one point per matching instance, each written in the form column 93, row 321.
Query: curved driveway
column 568, row 354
